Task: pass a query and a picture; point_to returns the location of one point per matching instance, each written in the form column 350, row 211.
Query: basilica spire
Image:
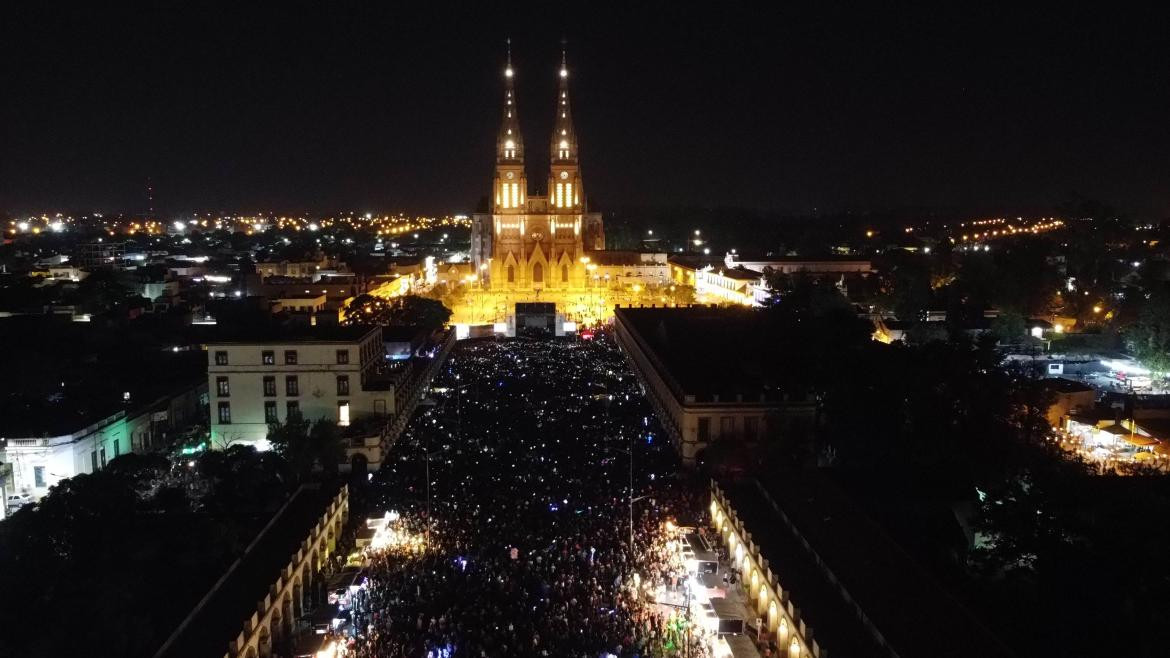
column 511, row 186
column 563, row 146
column 509, row 143
column 564, row 186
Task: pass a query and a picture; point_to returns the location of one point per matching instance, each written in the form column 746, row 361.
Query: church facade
column 531, row 243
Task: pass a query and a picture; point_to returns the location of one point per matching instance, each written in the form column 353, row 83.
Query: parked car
column 16, row 501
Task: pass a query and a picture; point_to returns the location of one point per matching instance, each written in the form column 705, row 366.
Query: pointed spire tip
column 508, row 69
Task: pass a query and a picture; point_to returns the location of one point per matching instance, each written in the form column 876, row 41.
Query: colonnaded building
column 533, row 247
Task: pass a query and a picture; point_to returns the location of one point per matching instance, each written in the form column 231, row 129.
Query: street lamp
column 590, row 268
column 630, row 485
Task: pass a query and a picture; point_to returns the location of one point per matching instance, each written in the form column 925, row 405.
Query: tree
column 801, row 295
column 415, row 311
column 305, row 445
column 1010, row 327
column 291, row 441
column 449, row 295
column 328, row 447
column 239, row 479
column 680, row 295
column 1149, row 337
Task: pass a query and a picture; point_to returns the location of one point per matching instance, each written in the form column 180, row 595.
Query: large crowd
column 523, row 538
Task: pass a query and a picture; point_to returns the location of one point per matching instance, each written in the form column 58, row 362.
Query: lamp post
column 629, row 453
column 630, row 488
column 482, row 273
column 591, row 268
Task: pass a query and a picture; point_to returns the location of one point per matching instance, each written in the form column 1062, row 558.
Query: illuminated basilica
column 533, row 247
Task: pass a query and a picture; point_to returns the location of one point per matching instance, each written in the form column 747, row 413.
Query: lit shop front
column 1108, row 440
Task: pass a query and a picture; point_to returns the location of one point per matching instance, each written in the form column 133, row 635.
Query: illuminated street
column 528, row 553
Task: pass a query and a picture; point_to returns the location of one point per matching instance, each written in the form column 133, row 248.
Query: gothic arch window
column 564, row 273
column 511, row 274
column 538, row 273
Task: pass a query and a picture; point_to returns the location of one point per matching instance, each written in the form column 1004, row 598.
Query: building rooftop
column 68, row 376
column 825, row 532
column 302, row 296
column 1157, row 427
column 212, row 626
column 258, row 334
column 694, row 261
column 740, row 273
column 709, row 352
column 626, row 257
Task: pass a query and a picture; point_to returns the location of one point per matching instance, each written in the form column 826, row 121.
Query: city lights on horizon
column 381, row 224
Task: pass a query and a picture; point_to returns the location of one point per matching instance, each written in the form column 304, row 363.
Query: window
column 342, row 356
column 726, row 426
column 270, row 412
column 751, row 427
column 511, row 274
column 704, row 429
column 103, row 456
column 270, row 386
column 343, row 412
column 225, row 413
column 290, row 357
column 293, row 409
column 221, row 387
column 93, row 467
column 268, row 357
column 39, row 476
column 117, row 448
column 291, row 386
column 343, row 384
column 221, row 358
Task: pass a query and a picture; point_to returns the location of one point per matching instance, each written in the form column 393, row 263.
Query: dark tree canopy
column 84, row 571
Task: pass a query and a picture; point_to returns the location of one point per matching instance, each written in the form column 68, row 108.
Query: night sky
column 318, row 108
